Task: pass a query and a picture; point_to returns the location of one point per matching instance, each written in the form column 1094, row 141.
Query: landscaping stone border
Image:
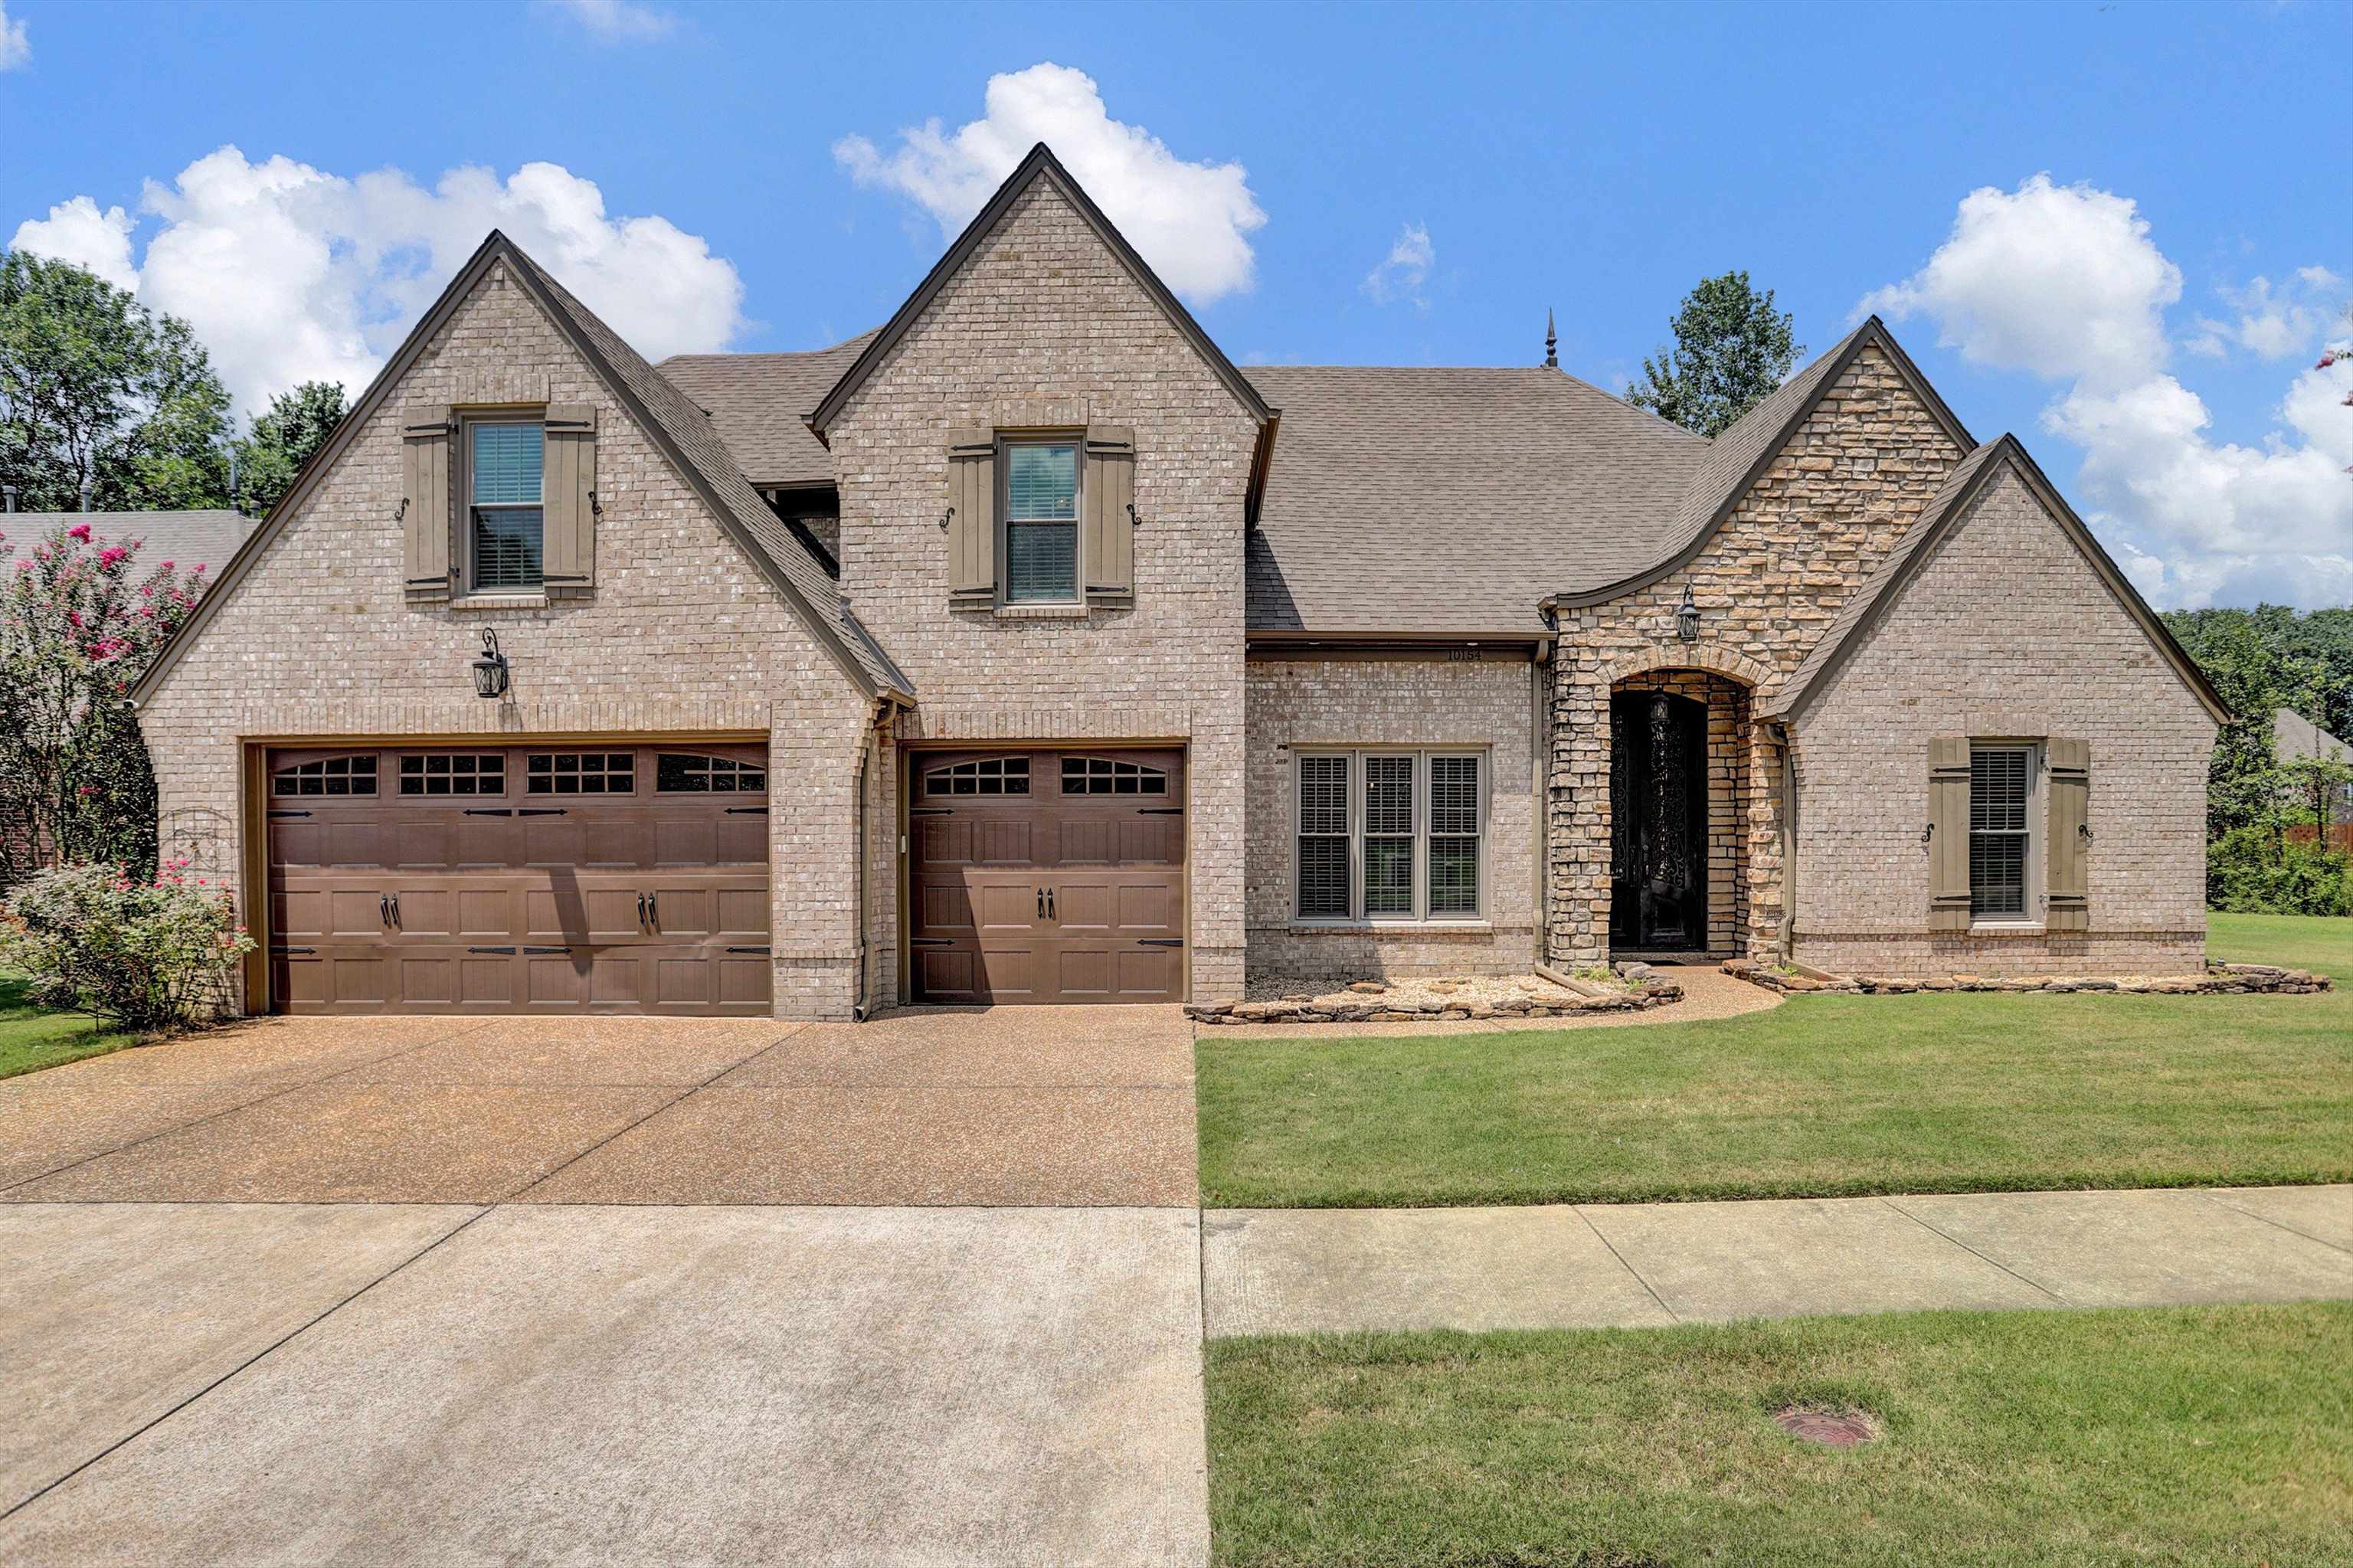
column 2220, row 979
column 1381, row 1009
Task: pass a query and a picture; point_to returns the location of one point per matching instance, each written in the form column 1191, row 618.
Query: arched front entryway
column 1679, row 796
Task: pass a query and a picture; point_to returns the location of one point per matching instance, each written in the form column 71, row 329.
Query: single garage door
column 1048, row 876
column 549, row 878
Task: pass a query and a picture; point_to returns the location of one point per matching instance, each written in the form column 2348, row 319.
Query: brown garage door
column 1048, row 876
column 550, row 878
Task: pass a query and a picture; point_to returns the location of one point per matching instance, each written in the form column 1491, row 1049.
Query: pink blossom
column 79, row 531
column 108, row 558
column 84, row 790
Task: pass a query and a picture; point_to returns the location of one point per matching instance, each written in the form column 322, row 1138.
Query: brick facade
column 1486, row 705
column 682, row 635
column 1821, row 514
column 1044, row 327
column 2007, row 631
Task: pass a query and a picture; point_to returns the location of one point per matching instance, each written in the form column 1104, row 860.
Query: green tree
column 282, row 439
column 2244, row 664
column 1732, row 350
column 96, row 390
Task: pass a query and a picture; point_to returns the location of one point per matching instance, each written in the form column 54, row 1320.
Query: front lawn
column 32, row 1038
column 2173, row 1436
column 1825, row 1096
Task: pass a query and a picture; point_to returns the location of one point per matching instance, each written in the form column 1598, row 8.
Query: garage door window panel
column 982, row 776
column 689, row 773
column 326, row 776
column 581, row 773
column 454, row 773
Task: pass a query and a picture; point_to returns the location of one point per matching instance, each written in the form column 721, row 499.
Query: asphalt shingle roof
column 205, row 538
column 758, row 401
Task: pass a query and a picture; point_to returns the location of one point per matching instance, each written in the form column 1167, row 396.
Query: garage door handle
column 539, row 810
column 1049, row 905
column 653, row 910
column 1160, row 941
column 641, row 908
column 508, row 951
column 383, row 908
column 488, row 811
column 1042, row 904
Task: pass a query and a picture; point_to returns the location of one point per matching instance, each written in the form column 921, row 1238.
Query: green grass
column 2174, row 1436
column 32, row 1038
column 1825, row 1096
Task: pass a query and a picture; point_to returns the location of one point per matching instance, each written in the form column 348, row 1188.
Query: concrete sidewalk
column 1588, row 1265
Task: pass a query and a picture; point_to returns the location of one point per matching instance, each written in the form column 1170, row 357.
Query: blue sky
column 1596, row 161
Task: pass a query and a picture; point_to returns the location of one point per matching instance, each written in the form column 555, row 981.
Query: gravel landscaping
column 1442, row 996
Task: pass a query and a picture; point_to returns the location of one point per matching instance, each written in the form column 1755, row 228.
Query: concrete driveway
column 922, row 1292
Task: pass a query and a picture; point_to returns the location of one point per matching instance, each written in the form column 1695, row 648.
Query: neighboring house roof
column 760, row 402
column 669, row 418
column 205, row 538
column 1850, row 629
column 1041, row 163
column 2294, row 736
column 1426, row 501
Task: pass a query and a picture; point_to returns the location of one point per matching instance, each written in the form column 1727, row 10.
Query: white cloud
column 1189, row 221
column 1406, row 268
column 617, row 21
column 2063, row 282
column 16, row 49
column 288, row 273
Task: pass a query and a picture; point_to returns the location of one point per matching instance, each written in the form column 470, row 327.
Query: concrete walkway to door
column 1059, row 1105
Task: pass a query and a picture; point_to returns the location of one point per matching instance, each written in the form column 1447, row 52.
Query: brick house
column 1026, row 649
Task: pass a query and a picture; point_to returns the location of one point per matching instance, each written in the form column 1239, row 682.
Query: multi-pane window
column 504, row 469
column 1042, row 521
column 1389, row 836
column 2001, row 787
column 580, row 773
column 328, row 776
column 1107, row 776
column 984, row 776
column 689, row 773
column 456, row 773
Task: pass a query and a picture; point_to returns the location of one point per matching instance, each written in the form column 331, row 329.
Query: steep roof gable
column 1040, row 164
column 669, row 419
column 1869, row 602
column 1741, row 454
column 760, row 401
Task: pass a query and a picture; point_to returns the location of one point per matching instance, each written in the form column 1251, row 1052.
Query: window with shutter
column 969, row 518
column 505, row 485
column 2000, row 784
column 568, row 559
column 1041, row 522
column 425, row 503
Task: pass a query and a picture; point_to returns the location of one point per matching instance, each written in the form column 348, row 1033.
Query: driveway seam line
column 2282, row 1224
column 1973, row 1252
column 1674, row 1316
column 232, row 1110
column 479, row 1210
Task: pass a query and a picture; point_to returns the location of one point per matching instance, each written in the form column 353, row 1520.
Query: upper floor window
column 1041, row 522
column 505, row 463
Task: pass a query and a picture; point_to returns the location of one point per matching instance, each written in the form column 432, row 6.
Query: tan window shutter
column 1948, row 833
column 971, row 515
column 427, row 488
column 1111, row 515
column 2069, row 851
column 569, row 533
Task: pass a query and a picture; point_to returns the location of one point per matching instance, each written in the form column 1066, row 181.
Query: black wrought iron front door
column 1657, row 815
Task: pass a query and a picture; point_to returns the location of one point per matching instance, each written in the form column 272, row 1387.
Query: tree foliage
column 77, row 629
column 1732, row 350
column 282, row 437
column 95, row 390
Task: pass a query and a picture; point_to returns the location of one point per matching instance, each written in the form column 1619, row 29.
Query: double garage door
column 1047, row 876
column 549, row 878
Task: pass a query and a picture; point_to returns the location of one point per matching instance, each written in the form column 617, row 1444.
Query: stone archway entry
column 1659, row 833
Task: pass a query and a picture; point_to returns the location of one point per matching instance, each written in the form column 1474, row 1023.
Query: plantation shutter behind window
column 972, row 516
column 570, row 534
column 1948, row 833
column 1110, row 489
column 2070, row 853
column 425, row 515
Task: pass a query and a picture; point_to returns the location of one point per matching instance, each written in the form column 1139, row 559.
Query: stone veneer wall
column 2007, row 631
column 1043, row 327
column 1822, row 515
column 1729, row 739
column 683, row 633
column 1487, row 705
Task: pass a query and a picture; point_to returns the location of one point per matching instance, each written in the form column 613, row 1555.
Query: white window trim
column 2034, row 916
column 1420, row 917
column 1076, row 604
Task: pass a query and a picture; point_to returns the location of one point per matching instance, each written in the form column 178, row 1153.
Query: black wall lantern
column 490, row 669
column 1687, row 618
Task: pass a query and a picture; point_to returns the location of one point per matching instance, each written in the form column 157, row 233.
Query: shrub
column 2260, row 870
column 148, row 955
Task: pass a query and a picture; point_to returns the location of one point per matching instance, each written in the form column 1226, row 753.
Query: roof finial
column 1552, row 358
